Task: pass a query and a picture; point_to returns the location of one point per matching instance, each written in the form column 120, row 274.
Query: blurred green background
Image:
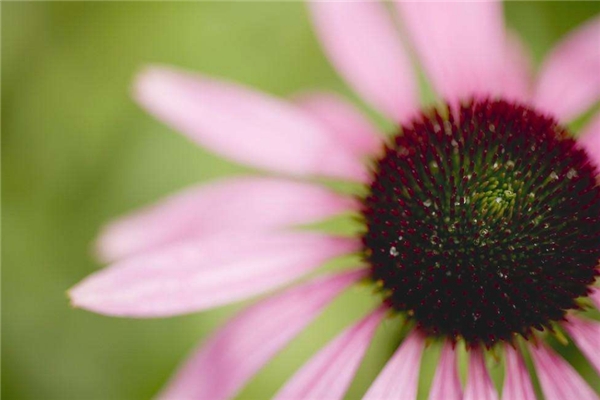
column 76, row 152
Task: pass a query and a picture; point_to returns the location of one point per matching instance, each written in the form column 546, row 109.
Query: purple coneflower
column 481, row 218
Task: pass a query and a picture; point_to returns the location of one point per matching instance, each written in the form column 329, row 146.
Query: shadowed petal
column 590, row 140
column 559, row 381
column 569, row 81
column 446, row 383
column 329, row 373
column 595, row 296
column 586, row 335
column 243, row 204
column 462, row 46
column 223, row 365
column 399, row 378
column 244, row 125
column 362, row 43
column 517, row 383
column 201, row 274
column 349, row 126
column 479, row 385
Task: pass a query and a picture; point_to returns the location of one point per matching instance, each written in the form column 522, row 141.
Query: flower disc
column 483, row 222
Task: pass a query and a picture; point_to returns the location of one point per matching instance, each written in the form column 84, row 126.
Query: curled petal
column 479, row 385
column 224, row 364
column 362, row 43
column 559, row 381
column 569, row 82
column 202, row 274
column 400, row 376
column 343, row 120
column 329, row 373
column 586, row 335
column 517, row 383
column 446, row 383
column 232, row 205
column 244, row 125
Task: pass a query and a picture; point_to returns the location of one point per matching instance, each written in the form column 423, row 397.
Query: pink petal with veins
column 231, row 205
column 223, row 365
column 399, row 378
column 479, row 385
column 206, row 273
column 559, row 381
column 446, row 383
column 329, row 373
column 244, row 125
column 569, row 81
column 517, row 383
column 362, row 43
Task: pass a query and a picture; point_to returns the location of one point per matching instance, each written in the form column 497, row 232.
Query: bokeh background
column 76, row 152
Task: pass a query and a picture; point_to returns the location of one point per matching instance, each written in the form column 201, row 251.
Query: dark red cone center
column 483, row 222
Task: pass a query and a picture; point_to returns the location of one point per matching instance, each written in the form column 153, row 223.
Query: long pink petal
column 201, row 274
column 362, row 43
column 479, row 385
column 569, row 82
column 590, row 140
column 242, row 204
column 517, row 383
column 400, row 377
column 559, row 381
column 446, row 383
column 586, row 335
column 244, row 125
column 224, row 363
column 349, row 126
column 329, row 373
column 462, row 46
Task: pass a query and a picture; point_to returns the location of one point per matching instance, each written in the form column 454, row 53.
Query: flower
column 481, row 218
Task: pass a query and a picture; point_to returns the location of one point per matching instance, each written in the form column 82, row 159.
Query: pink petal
column 462, row 46
column 329, row 373
column 446, row 383
column 201, row 274
column 243, row 204
column 362, row 43
column 399, row 379
column 590, row 140
column 586, row 335
column 245, row 125
column 479, row 385
column 518, row 63
column 569, row 82
column 517, row 383
column 559, row 381
column 595, row 297
column 342, row 119
column 223, row 365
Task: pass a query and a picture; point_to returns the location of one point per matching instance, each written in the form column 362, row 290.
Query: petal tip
column 84, row 296
column 70, row 298
column 74, row 297
column 152, row 80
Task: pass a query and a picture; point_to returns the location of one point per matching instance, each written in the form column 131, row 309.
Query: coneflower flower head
column 480, row 219
column 483, row 221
